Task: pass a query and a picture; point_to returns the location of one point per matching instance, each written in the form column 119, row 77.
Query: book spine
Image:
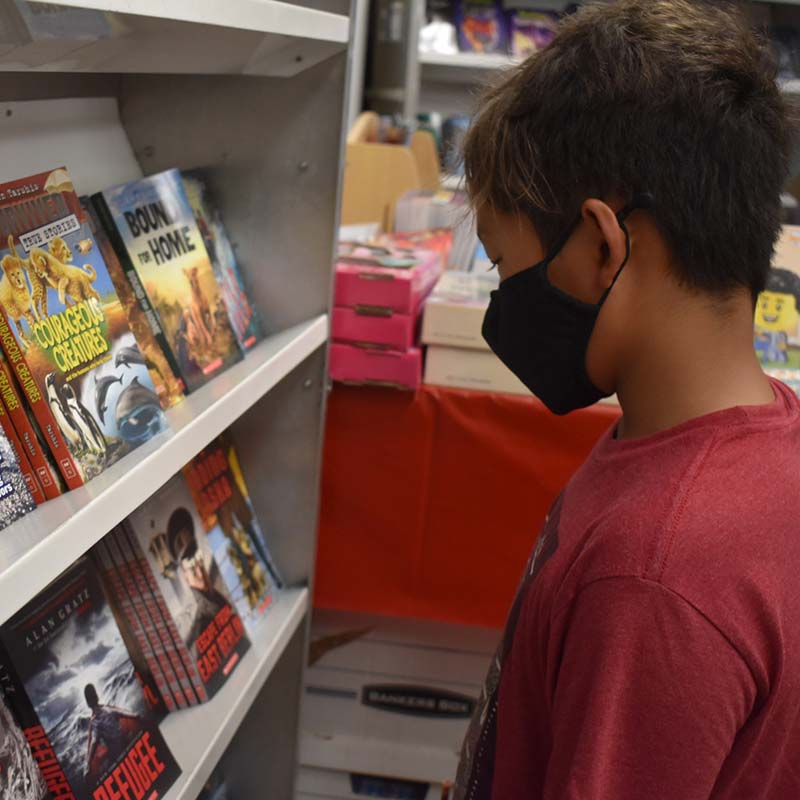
column 24, row 465
column 129, row 270
column 148, row 626
column 130, row 626
column 183, row 651
column 28, row 439
column 39, row 405
column 149, row 595
column 24, row 714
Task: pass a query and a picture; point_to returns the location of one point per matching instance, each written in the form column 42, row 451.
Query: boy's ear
column 611, row 237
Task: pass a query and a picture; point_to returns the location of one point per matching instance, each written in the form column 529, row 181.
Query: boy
column 653, row 650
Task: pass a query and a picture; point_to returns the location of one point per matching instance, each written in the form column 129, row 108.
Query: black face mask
column 542, row 334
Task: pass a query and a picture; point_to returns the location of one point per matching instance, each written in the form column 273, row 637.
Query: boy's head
column 778, row 307
column 668, row 98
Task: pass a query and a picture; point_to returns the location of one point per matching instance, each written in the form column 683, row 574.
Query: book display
column 152, row 574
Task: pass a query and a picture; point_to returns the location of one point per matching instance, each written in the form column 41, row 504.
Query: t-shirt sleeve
column 648, row 698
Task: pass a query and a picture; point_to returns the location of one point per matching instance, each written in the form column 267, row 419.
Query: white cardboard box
column 455, row 309
column 461, row 368
column 327, row 784
column 391, row 697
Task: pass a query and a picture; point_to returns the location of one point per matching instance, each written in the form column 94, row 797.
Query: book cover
column 169, row 388
column 70, row 329
column 73, row 664
column 244, row 318
column 22, row 459
column 15, row 498
column 169, row 530
column 20, row 778
column 232, row 531
column 155, row 222
column 30, row 438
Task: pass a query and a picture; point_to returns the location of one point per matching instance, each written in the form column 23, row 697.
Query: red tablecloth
column 431, row 502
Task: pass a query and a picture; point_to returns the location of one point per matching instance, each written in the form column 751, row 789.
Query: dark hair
column 783, row 281
column 670, row 97
column 181, row 520
column 90, row 693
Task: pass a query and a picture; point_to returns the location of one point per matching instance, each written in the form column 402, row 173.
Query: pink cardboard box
column 351, row 364
column 398, row 280
column 381, row 328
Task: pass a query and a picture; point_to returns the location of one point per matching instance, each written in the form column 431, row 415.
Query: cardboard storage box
column 328, row 784
column 461, row 368
column 455, row 309
column 391, row 697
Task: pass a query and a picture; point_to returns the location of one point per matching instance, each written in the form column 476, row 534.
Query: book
column 63, row 330
column 161, row 249
column 168, row 386
column 481, row 26
column 130, row 623
column 244, row 318
column 232, row 530
column 22, row 459
column 70, row 661
column 30, row 438
column 20, row 778
column 15, row 498
column 169, row 530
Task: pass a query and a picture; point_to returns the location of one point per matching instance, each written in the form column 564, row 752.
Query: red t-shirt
column 653, row 650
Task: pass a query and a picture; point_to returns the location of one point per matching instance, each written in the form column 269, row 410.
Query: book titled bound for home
column 170, row 532
column 152, row 227
column 244, row 318
column 34, row 487
column 169, row 387
column 63, row 330
column 75, row 690
column 232, row 529
column 16, row 499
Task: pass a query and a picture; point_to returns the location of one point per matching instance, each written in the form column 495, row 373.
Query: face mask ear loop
column 624, row 227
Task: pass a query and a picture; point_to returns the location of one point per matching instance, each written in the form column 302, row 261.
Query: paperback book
column 232, row 529
column 15, row 498
column 169, row 530
column 74, row 688
column 168, row 386
column 153, row 229
column 245, row 320
column 64, row 330
column 23, row 463
column 20, row 778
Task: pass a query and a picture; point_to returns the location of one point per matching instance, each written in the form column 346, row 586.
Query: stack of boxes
column 387, row 704
column 378, row 299
column 457, row 354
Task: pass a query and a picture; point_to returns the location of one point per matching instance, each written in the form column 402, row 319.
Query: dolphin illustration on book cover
column 154, row 232
column 63, row 328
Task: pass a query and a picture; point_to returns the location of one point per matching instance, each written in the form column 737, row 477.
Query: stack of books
column 378, row 298
column 457, row 354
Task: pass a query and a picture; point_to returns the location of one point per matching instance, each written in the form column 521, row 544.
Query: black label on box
column 419, row 701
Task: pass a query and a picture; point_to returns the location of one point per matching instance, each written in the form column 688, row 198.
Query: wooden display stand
column 377, row 174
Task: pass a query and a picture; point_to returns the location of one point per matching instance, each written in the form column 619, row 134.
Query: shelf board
column 35, row 549
column 199, row 736
column 468, row 60
column 250, row 37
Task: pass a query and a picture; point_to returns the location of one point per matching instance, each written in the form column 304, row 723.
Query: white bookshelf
column 34, row 550
column 199, row 736
column 480, row 61
column 253, row 92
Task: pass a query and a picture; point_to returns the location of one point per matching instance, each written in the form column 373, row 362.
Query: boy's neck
column 693, row 365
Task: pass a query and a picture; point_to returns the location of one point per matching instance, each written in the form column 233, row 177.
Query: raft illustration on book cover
column 170, row 531
column 65, row 332
column 73, row 689
column 162, row 243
